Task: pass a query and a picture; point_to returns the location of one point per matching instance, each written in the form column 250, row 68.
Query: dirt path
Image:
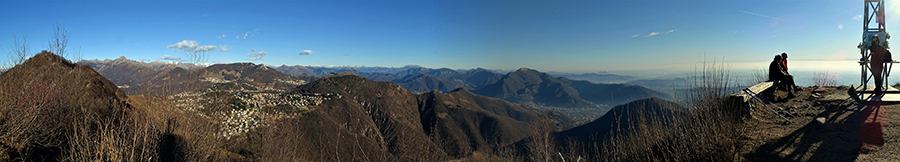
column 850, row 132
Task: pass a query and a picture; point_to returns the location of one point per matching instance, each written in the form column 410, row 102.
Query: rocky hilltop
column 49, row 108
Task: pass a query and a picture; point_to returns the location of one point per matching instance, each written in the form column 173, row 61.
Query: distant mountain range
column 521, row 86
column 353, row 116
column 171, row 78
column 452, row 124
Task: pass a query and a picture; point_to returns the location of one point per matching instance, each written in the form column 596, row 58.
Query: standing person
column 777, row 74
column 876, row 61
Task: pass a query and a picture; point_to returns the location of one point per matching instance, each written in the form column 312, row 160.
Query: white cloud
column 253, row 50
column 221, row 61
column 841, row 26
column 655, row 33
column 857, row 17
column 223, row 48
column 222, row 36
column 191, row 46
column 306, row 52
column 257, row 55
column 249, row 34
column 169, row 57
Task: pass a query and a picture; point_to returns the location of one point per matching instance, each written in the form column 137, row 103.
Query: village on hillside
column 246, row 108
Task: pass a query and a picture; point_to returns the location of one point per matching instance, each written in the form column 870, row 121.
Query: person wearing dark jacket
column 876, row 62
column 780, row 76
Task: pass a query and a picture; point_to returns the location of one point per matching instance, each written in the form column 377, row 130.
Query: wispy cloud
column 169, row 57
column 841, row 26
column 204, row 15
column 257, row 55
column 221, row 61
column 857, row 17
column 191, row 46
column 655, row 33
column 761, row 15
column 222, row 36
column 306, row 52
column 223, row 48
column 635, row 36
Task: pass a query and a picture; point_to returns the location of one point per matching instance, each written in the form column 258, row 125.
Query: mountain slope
column 476, row 78
column 428, row 127
column 442, row 72
column 613, row 94
column 527, row 85
column 49, row 105
column 624, row 118
column 426, row 82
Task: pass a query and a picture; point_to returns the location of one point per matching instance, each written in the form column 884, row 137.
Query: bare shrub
column 130, row 138
column 543, row 145
column 23, row 109
column 824, row 79
column 59, row 41
column 76, row 57
column 19, row 52
column 759, row 75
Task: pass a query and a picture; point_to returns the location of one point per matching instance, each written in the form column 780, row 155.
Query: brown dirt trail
column 850, row 132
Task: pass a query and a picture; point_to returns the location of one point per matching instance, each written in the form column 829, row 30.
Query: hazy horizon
column 845, row 72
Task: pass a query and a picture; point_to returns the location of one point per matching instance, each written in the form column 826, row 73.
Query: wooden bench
column 744, row 102
column 760, row 88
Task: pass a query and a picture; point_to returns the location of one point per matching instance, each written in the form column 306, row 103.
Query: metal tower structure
column 873, row 28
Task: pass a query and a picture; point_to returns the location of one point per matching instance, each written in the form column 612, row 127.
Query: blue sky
column 563, row 36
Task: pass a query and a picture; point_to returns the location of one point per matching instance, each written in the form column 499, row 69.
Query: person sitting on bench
column 781, row 78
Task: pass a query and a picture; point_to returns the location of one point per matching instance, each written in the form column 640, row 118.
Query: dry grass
column 709, row 129
column 824, row 79
column 543, row 144
column 758, row 75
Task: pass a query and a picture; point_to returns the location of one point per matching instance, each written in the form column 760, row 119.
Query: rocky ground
column 828, row 125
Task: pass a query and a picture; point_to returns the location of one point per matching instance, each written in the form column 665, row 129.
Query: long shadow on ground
column 837, row 140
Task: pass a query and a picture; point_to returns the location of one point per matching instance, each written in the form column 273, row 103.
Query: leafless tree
column 59, row 41
column 197, row 56
column 542, row 147
column 77, row 55
column 19, row 52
